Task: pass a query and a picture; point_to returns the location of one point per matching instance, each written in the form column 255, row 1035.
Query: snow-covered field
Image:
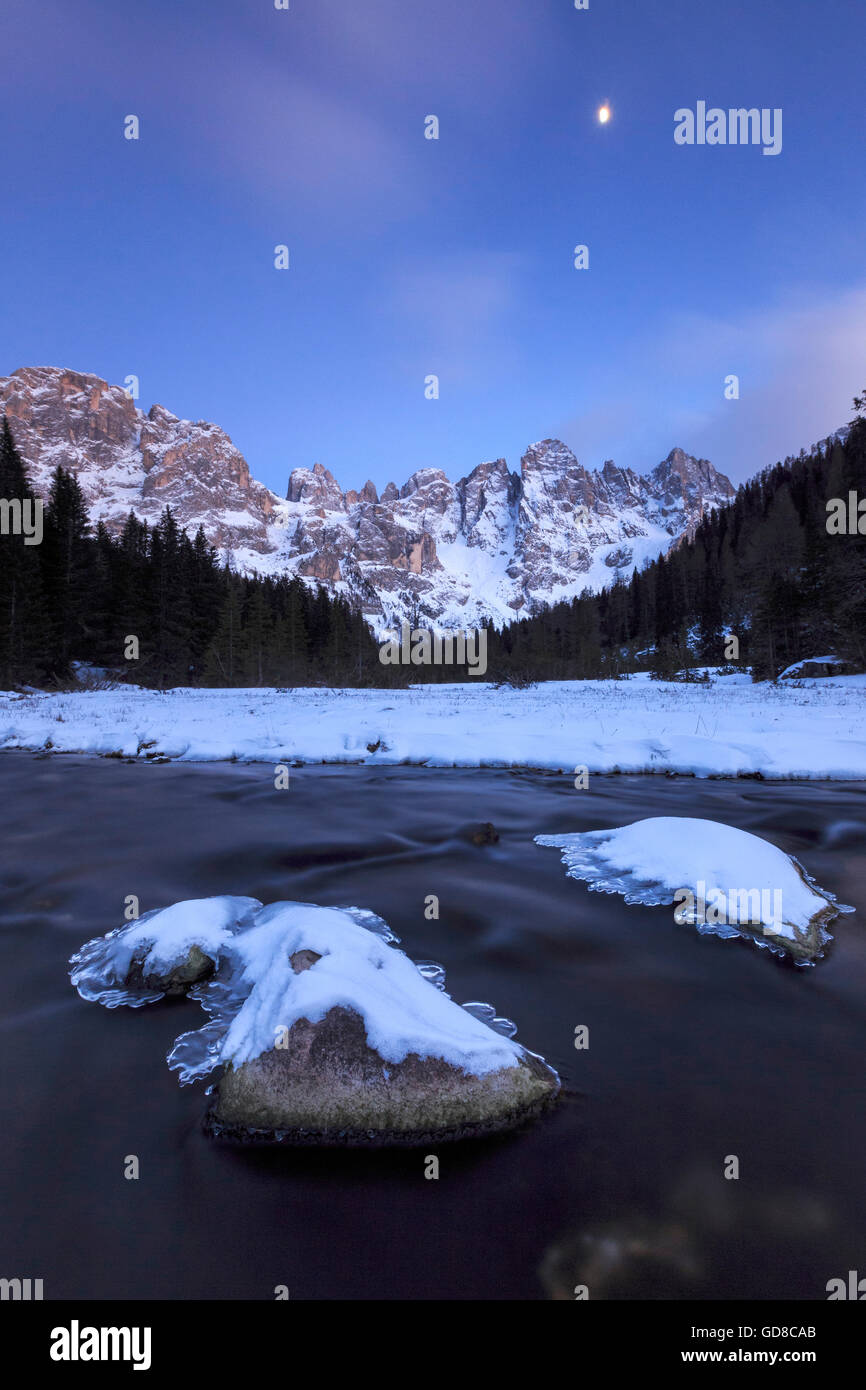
column 813, row 729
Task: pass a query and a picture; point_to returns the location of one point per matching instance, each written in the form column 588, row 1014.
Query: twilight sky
column 409, row 256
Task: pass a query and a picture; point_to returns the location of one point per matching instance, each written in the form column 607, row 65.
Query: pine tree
column 256, row 658
column 101, row 617
column 67, row 574
column 291, row 638
column 204, row 587
column 709, row 613
column 131, row 606
column 169, row 604
column 22, row 628
column 223, row 661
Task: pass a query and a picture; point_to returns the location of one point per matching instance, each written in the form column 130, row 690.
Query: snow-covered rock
column 725, row 881
column 326, row 1032
column 166, row 951
column 815, row 667
column 493, row 545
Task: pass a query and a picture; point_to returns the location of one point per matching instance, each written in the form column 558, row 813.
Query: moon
column 604, row 114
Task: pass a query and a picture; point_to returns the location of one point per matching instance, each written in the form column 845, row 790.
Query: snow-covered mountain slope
column 128, row 461
column 494, row 544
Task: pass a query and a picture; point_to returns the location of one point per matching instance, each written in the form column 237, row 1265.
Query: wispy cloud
column 324, row 106
column 799, row 362
column 468, row 54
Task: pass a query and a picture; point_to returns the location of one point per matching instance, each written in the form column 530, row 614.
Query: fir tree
column 22, row 627
column 67, row 552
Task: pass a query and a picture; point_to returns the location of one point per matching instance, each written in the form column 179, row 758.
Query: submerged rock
column 638, row 1258
column 324, row 1031
column 682, row 1248
column 485, row 834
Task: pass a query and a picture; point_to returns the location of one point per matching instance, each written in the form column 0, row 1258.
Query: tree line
column 156, row 607
column 770, row 570
column 764, row 582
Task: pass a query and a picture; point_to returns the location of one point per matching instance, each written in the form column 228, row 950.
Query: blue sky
column 411, row 256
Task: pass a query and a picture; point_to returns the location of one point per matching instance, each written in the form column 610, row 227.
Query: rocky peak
column 317, row 486
column 548, row 459
column 487, row 500
column 550, row 472
column 127, row 461
column 175, row 450
column 619, row 480
column 368, row 492
column 682, row 477
column 491, row 545
column 425, row 478
column 48, row 405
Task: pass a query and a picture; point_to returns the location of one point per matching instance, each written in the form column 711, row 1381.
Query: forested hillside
column 81, row 594
column 766, row 581
column 765, row 569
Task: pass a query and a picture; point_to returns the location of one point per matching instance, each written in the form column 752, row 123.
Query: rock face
column 494, row 544
column 128, row 461
column 329, row 1087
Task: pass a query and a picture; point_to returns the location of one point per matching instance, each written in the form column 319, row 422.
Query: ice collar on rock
column 278, row 964
column 725, row 881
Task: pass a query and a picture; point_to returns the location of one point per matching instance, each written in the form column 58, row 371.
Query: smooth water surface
column 700, row 1049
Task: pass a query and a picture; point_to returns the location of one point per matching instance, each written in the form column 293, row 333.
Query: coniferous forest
column 82, row 593
column 765, row 570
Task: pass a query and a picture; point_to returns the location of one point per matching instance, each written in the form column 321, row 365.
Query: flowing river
column 700, row 1050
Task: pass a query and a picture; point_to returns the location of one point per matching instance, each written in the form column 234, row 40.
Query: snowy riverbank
column 727, row 728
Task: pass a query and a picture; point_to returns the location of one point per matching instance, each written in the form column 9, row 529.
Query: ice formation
column 264, row 982
column 158, row 943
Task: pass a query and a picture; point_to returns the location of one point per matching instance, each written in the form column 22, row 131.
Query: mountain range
column 496, row 544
